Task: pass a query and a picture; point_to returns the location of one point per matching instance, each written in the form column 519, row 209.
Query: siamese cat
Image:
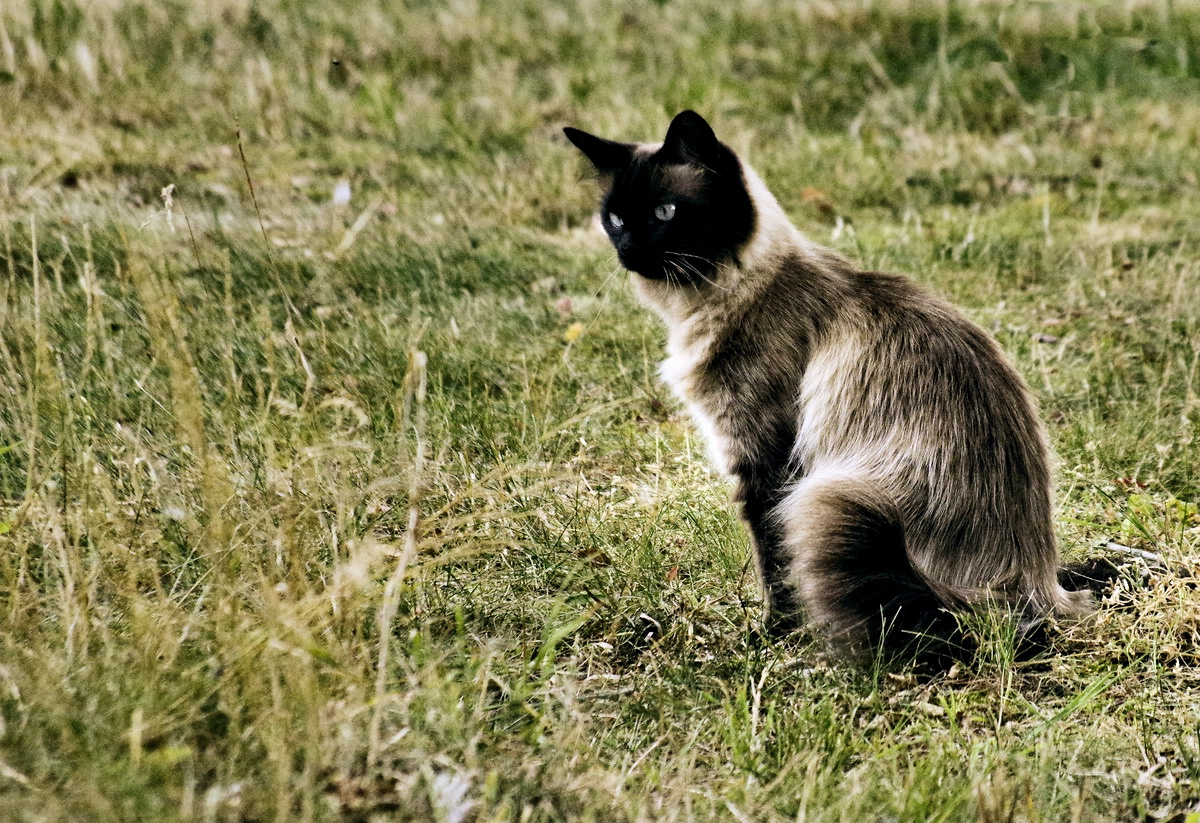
column 889, row 461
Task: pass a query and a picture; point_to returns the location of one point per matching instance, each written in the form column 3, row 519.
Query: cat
column 889, row 462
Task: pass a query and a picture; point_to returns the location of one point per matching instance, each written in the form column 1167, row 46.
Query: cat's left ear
column 691, row 140
column 608, row 156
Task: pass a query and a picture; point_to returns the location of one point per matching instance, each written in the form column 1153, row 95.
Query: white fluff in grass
column 341, row 193
column 448, row 794
column 87, row 65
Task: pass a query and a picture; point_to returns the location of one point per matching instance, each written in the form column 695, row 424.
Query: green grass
column 213, row 432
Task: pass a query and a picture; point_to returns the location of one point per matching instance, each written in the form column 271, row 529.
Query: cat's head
column 675, row 211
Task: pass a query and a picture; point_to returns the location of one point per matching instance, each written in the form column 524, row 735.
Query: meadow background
column 223, row 411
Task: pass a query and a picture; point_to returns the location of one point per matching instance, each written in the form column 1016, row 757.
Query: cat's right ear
column 608, row 156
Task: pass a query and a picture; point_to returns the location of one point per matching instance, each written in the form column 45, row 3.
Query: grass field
column 224, row 410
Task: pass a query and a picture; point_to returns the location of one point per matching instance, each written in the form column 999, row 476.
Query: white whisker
column 685, row 265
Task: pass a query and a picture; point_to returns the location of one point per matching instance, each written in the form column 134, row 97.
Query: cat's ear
column 608, row 156
column 691, row 140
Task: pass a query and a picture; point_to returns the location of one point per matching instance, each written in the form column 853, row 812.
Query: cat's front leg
column 781, row 605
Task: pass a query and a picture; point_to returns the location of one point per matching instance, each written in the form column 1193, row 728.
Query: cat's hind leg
column 852, row 570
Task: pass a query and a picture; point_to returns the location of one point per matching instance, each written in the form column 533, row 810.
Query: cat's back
column 902, row 376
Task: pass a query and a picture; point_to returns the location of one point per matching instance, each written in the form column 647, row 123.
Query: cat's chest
column 686, row 354
column 687, row 370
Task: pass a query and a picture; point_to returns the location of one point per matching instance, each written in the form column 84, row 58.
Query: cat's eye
column 615, row 220
column 665, row 211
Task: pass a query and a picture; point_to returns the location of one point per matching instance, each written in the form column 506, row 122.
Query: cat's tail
column 859, row 586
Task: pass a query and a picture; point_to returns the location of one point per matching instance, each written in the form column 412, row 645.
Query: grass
column 215, row 430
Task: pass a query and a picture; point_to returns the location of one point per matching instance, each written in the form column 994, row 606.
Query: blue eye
column 665, row 211
column 615, row 220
